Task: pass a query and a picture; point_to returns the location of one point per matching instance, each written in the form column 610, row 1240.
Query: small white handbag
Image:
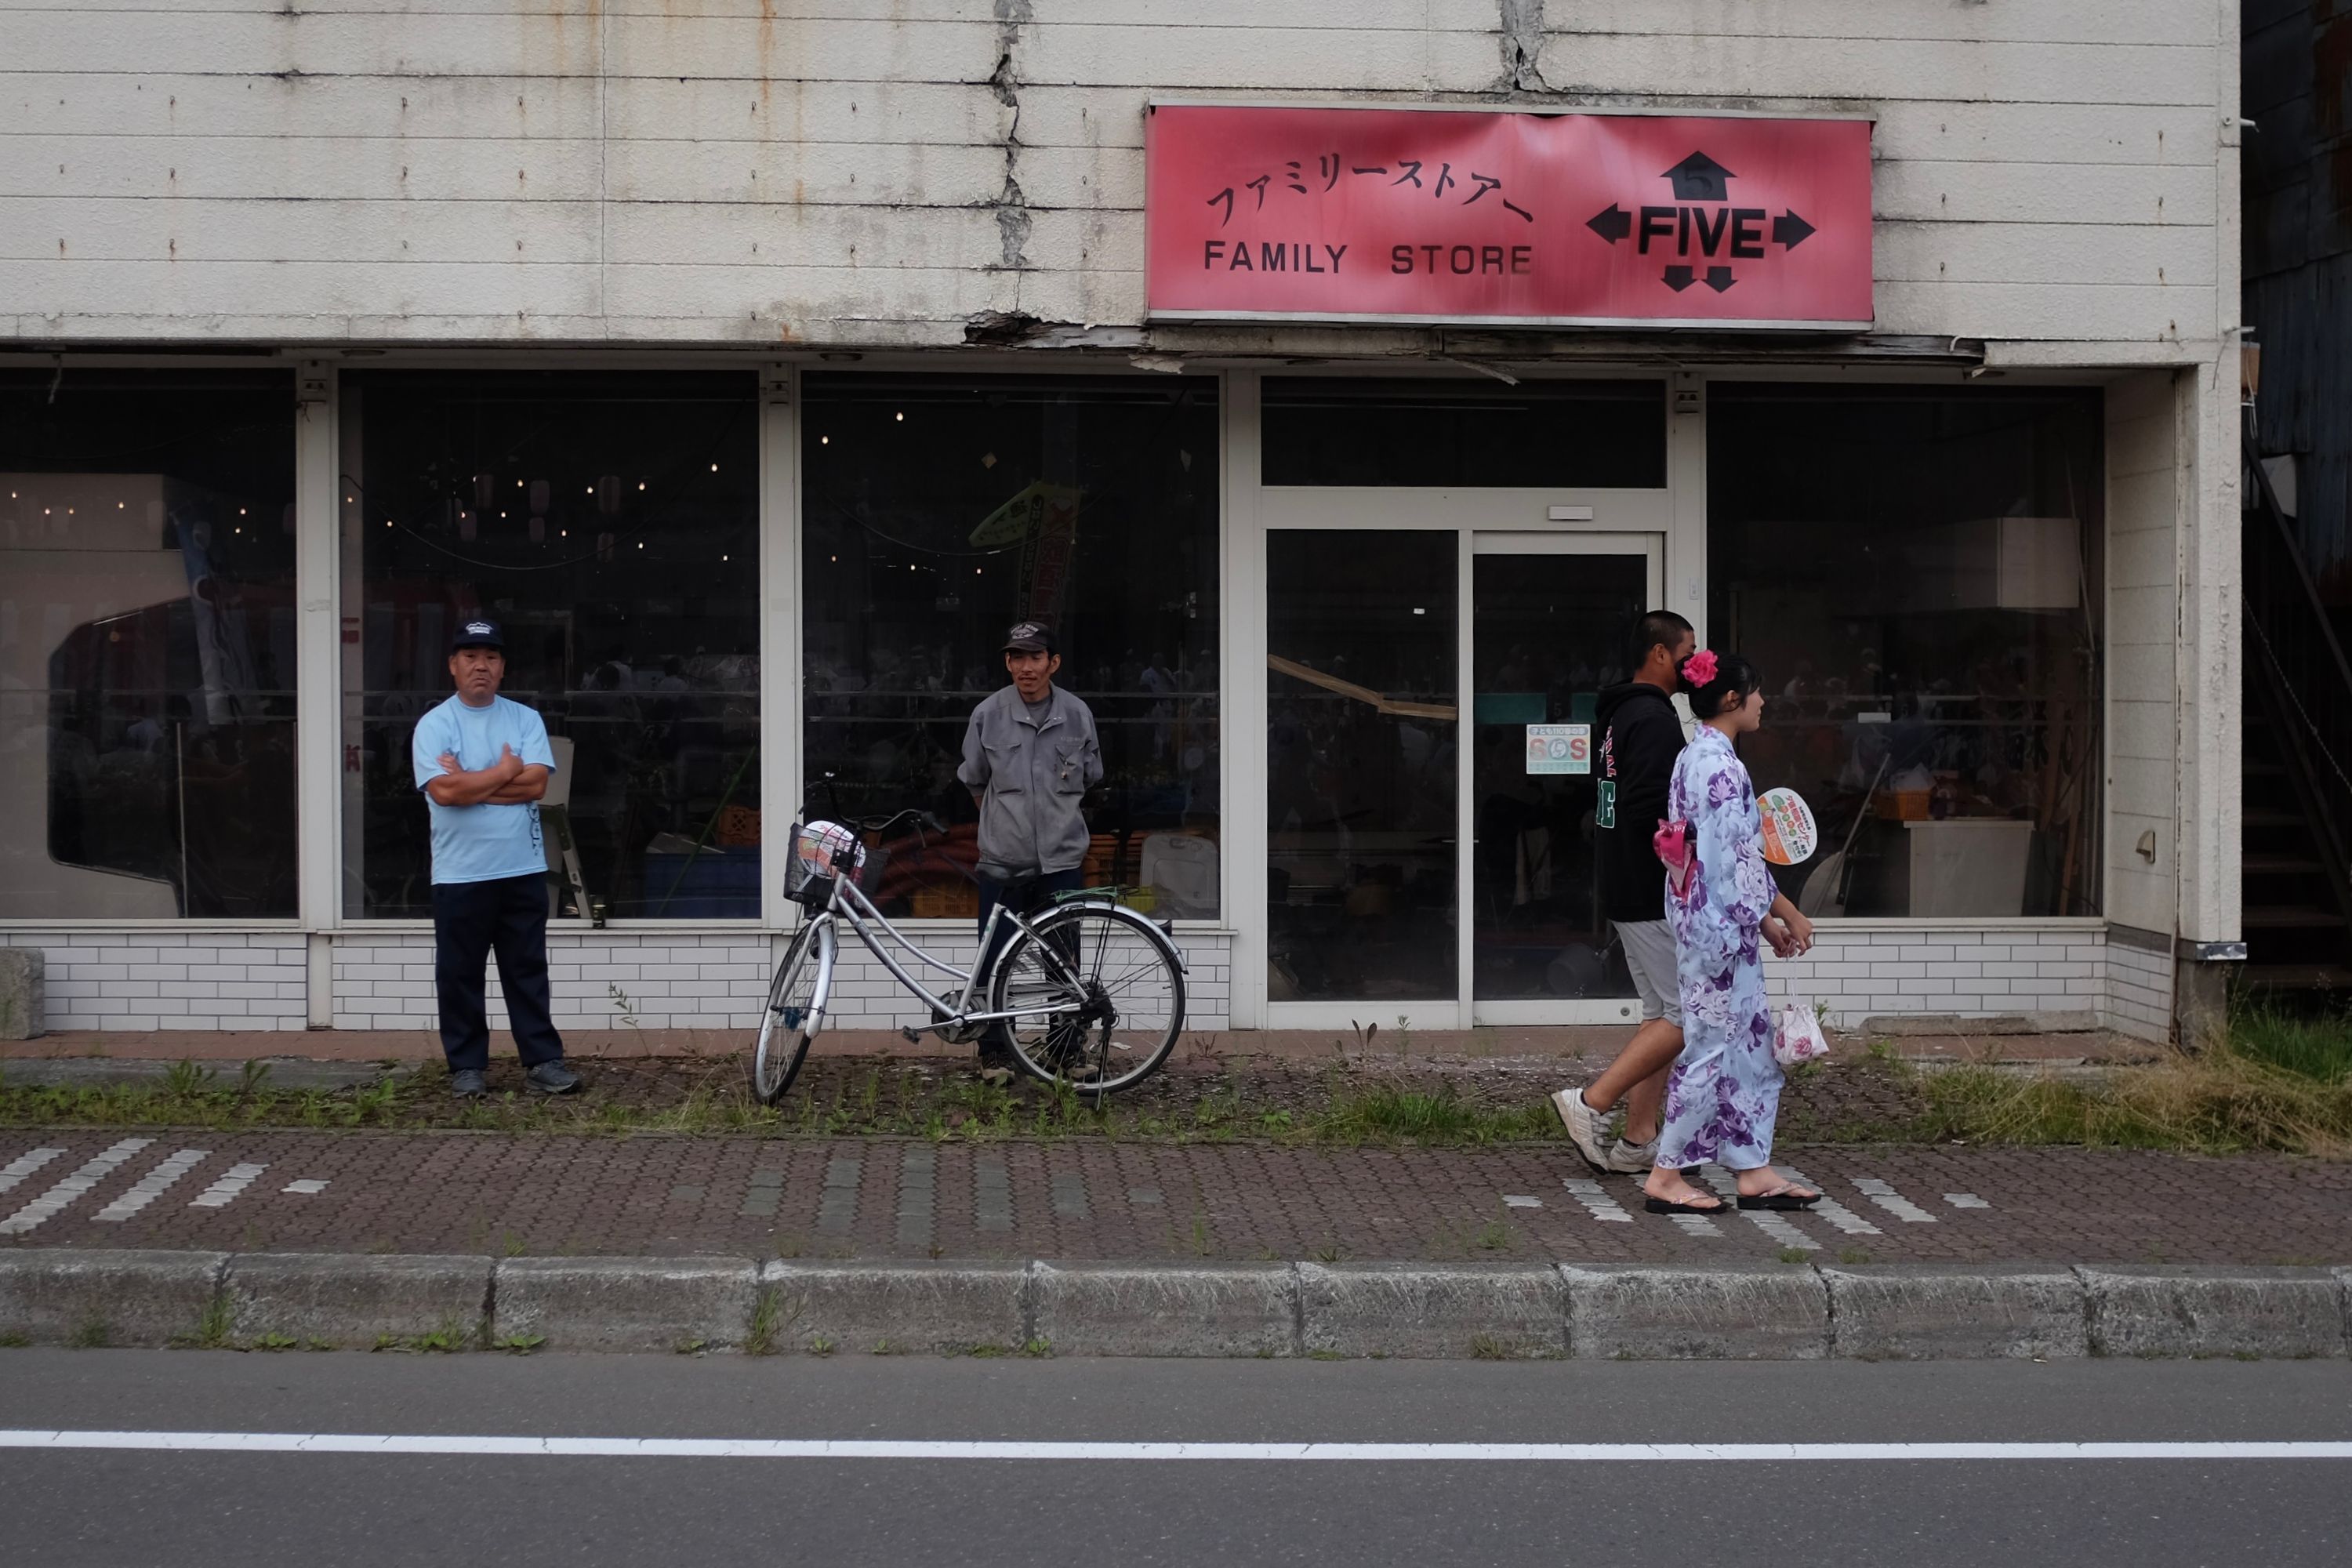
column 1798, row 1037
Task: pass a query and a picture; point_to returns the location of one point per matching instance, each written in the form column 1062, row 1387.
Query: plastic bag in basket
column 822, row 850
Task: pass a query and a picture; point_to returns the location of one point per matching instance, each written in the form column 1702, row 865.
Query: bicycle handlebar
column 921, row 819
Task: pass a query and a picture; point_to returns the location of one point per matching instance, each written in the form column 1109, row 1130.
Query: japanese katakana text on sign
column 1474, row 215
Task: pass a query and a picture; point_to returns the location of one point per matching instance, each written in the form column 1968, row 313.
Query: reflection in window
column 937, row 511
column 1362, row 736
column 146, row 645
column 1466, row 433
column 1917, row 574
column 609, row 523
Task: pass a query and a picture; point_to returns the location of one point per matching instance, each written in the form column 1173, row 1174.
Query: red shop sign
column 1445, row 216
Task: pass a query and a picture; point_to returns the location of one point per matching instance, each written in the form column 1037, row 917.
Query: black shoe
column 553, row 1077
column 468, row 1083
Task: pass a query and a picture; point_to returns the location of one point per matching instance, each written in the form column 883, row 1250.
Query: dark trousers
column 470, row 921
column 1022, row 896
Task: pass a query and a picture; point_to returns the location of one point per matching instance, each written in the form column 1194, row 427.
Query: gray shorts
column 1650, row 954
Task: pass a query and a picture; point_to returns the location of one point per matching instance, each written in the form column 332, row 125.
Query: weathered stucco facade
column 959, row 183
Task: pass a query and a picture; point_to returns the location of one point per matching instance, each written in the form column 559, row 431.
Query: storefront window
column 1917, row 574
column 1471, row 434
column 939, row 510
column 146, row 645
column 1363, row 735
column 610, row 523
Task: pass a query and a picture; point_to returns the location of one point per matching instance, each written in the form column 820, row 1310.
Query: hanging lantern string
column 659, row 513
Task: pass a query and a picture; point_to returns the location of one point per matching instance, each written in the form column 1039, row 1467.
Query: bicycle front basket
column 820, row 851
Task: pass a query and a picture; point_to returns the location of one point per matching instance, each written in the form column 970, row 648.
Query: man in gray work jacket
column 1029, row 756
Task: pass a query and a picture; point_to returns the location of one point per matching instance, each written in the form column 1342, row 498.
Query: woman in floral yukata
column 1724, row 1094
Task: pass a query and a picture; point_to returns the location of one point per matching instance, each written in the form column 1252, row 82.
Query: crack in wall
column 1013, row 219
column 1523, row 30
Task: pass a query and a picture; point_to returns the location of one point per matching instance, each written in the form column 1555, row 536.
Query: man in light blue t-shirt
column 483, row 762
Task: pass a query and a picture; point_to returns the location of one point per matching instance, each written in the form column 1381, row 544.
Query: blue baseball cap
column 478, row 632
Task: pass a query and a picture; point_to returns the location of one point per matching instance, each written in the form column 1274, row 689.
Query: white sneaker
column 1633, row 1158
column 1587, row 1129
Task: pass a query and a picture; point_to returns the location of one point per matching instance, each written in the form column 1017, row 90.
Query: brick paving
column 1091, row 1198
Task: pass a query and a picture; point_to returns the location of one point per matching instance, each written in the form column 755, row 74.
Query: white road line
column 1830, row 1209
column 1966, row 1200
column 1727, row 1188
column 887, row 1448
column 1597, row 1204
column 1515, row 1201
column 151, row 1186
column 1693, row 1224
column 306, row 1187
column 223, row 1192
column 1893, row 1203
column 92, row 1172
column 24, row 1165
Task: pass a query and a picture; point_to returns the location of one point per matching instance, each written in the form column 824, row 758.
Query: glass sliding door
column 1362, row 754
column 1550, row 628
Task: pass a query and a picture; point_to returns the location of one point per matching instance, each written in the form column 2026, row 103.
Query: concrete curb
column 1956, row 1312
column 623, row 1303
column 886, row 1308
column 2177, row 1310
column 357, row 1302
column 54, row 1296
column 1164, row 1308
column 1756, row 1312
column 1651, row 1312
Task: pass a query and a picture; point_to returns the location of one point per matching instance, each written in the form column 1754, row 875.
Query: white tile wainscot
column 1874, row 969
column 178, row 979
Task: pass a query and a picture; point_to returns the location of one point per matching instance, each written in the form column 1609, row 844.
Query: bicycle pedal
column 911, row 1036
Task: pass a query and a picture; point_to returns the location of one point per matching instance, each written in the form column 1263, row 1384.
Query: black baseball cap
column 478, row 632
column 1029, row 636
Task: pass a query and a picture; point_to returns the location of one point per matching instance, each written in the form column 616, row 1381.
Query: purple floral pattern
column 1724, row 1094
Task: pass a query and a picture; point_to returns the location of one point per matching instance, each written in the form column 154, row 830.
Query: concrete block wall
column 171, row 980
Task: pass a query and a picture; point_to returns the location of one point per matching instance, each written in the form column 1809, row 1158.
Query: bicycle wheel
column 1115, row 990
column 784, row 1040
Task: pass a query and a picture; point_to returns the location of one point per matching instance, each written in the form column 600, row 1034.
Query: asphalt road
column 145, row 1506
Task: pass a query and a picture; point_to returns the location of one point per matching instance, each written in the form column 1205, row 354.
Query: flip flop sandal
column 1697, row 1203
column 1783, row 1198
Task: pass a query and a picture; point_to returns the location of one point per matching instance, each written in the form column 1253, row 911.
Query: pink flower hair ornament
column 1699, row 668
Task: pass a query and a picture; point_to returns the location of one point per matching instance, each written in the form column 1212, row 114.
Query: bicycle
column 1089, row 992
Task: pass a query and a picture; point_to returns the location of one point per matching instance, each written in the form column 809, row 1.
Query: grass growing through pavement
column 2280, row 1083
column 2317, row 1049
column 2276, row 1083
column 1393, row 1112
column 1333, row 1109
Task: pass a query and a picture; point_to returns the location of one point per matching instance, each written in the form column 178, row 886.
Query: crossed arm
column 509, row 781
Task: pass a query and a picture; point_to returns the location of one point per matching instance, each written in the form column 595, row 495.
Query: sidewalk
column 1082, row 1198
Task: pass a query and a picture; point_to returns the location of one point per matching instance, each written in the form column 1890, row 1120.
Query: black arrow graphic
column 1612, row 224
column 1719, row 279
column 1678, row 278
column 1788, row 230
column 1699, row 178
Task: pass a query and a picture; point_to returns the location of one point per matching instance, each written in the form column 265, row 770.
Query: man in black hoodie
column 1640, row 737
